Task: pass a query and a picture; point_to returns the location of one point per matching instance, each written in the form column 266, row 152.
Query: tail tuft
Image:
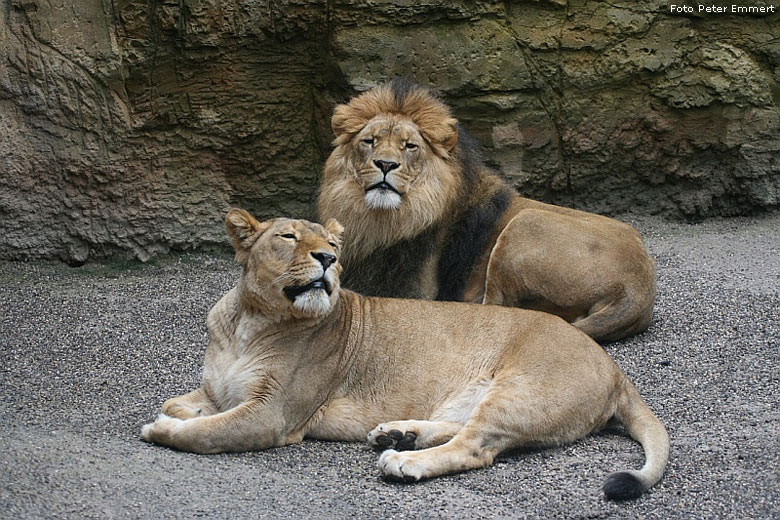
column 623, row 485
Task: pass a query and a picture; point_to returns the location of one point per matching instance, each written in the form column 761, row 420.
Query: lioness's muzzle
column 295, row 290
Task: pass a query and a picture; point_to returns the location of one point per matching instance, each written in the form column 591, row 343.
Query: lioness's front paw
column 386, row 436
column 160, row 430
column 401, row 466
column 174, row 409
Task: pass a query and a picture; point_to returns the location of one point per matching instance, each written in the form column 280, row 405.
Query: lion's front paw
column 387, row 436
column 401, row 466
column 161, row 430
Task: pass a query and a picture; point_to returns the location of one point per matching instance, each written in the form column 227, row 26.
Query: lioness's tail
column 646, row 429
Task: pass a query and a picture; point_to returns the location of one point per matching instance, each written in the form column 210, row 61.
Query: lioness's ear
column 243, row 230
column 334, row 228
column 346, row 120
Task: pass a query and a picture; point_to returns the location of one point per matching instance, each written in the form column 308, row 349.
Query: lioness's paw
column 387, row 436
column 159, row 430
column 401, row 466
column 146, row 432
column 180, row 411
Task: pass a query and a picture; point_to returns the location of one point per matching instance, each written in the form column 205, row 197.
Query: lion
column 441, row 387
column 426, row 218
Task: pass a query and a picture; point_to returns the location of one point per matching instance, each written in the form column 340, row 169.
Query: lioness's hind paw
column 398, row 467
column 382, row 438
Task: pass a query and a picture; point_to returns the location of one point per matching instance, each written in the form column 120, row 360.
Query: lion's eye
column 411, row 147
column 288, row 236
column 369, row 141
column 333, row 245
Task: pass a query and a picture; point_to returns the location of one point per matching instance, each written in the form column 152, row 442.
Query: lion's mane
column 454, row 191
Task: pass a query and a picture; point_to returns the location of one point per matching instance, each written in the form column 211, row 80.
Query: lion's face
column 290, row 266
column 389, row 155
column 392, row 173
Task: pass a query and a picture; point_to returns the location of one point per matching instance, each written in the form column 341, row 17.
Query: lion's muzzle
column 383, row 185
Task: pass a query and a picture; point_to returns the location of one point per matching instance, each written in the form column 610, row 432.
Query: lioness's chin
column 314, row 302
column 382, row 199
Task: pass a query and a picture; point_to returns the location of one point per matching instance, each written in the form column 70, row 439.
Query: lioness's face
column 389, row 156
column 290, row 266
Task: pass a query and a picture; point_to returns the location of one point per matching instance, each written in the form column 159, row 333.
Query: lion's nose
column 386, row 166
column 326, row 259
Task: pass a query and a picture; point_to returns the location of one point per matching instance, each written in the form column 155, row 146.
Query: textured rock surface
column 128, row 128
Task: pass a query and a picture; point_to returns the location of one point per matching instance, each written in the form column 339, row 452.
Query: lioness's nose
column 386, row 166
column 326, row 259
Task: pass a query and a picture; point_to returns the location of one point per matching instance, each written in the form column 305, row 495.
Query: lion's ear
column 346, row 120
column 335, row 228
column 243, row 230
column 451, row 138
column 442, row 135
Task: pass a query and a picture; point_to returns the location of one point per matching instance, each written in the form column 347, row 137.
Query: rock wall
column 127, row 128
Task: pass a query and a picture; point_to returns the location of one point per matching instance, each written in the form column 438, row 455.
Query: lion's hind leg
column 412, row 435
column 615, row 317
column 597, row 277
column 188, row 406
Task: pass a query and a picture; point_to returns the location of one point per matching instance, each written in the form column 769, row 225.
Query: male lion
column 426, row 218
column 291, row 355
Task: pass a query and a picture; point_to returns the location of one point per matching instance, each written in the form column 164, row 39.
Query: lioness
column 426, row 218
column 291, row 355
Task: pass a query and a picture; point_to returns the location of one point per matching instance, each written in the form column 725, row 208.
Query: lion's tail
column 646, row 429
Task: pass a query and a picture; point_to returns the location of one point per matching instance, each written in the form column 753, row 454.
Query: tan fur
column 593, row 271
column 463, row 382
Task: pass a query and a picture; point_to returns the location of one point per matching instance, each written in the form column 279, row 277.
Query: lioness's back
column 468, row 331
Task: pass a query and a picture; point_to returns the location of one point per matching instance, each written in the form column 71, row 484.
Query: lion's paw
column 401, row 466
column 387, row 436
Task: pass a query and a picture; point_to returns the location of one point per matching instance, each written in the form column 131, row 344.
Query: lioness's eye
column 368, row 141
column 333, row 245
column 411, row 146
column 288, row 235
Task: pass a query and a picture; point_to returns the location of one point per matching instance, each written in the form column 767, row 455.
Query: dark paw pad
column 406, row 442
column 384, row 442
column 396, row 440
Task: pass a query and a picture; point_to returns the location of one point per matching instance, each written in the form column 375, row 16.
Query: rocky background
column 127, row 128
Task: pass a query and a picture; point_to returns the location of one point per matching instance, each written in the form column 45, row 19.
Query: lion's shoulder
column 472, row 234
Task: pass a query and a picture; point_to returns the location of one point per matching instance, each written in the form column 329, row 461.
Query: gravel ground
column 88, row 355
